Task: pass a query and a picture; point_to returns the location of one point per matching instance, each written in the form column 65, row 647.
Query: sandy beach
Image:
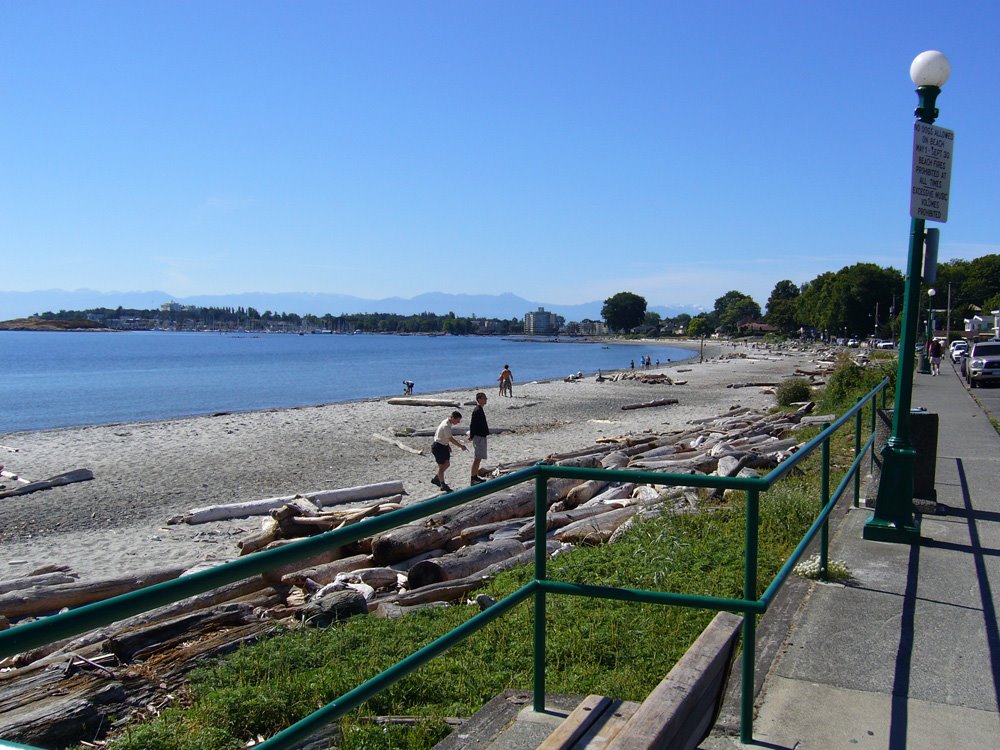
column 146, row 473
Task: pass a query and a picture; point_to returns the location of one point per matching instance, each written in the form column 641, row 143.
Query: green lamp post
column 893, row 519
column 924, row 362
column 930, row 317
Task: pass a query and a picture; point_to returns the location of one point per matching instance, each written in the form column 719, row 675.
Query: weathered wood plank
column 682, row 709
column 574, row 726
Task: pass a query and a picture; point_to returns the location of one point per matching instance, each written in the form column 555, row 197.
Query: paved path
column 907, row 655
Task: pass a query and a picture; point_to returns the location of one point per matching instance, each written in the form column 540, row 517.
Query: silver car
column 958, row 350
column 982, row 365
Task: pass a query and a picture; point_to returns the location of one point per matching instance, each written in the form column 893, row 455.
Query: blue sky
column 562, row 151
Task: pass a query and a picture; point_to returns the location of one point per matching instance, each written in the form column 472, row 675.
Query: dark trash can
column 923, row 438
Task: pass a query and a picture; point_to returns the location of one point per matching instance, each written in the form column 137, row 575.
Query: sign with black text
column 931, row 181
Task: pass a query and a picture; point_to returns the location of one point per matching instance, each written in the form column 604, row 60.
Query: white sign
column 931, row 182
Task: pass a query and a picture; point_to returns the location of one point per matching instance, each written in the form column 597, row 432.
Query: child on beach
column 506, row 382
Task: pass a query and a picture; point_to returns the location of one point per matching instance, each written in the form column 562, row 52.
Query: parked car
column 885, row 345
column 958, row 349
column 982, row 365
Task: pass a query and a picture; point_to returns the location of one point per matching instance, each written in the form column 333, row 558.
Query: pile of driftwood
column 653, row 378
column 79, row 688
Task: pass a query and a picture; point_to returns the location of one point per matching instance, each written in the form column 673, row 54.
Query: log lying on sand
column 648, row 404
column 45, row 579
column 327, row 572
column 39, row 600
column 597, row 529
column 413, row 538
column 77, row 475
column 14, row 477
column 462, row 563
column 451, row 590
column 140, row 642
column 322, row 498
column 397, row 443
column 423, row 402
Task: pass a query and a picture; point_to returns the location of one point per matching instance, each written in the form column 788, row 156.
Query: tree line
column 864, row 300
column 193, row 317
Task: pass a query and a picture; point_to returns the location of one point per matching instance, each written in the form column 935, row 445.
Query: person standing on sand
column 441, row 448
column 478, row 432
column 506, row 382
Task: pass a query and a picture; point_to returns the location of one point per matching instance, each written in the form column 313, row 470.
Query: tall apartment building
column 542, row 323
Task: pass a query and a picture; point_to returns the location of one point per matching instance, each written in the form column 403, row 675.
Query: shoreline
column 147, row 472
column 26, row 425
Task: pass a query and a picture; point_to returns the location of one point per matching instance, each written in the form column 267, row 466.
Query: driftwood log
column 77, row 475
column 397, row 443
column 39, row 600
column 423, row 402
column 462, row 563
column 322, row 498
column 648, row 404
column 43, row 579
column 597, row 529
column 327, row 572
column 414, row 538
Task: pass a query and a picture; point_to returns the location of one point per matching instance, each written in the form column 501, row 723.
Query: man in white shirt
column 441, row 448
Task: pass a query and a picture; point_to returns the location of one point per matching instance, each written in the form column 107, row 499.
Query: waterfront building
column 542, row 323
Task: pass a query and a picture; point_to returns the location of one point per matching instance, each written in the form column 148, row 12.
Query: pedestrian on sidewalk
column 935, row 353
column 478, row 432
column 441, row 448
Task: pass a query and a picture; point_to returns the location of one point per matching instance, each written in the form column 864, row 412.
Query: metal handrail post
column 857, row 452
column 824, row 532
column 541, row 523
column 749, row 618
column 871, row 465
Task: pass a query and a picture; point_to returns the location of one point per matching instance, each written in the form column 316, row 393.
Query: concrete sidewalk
column 907, row 654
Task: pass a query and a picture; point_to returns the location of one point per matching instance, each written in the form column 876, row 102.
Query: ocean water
column 55, row 379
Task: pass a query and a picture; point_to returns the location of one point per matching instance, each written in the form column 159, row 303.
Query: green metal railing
column 47, row 630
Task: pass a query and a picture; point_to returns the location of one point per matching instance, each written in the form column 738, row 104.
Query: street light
column 924, row 363
column 893, row 519
column 930, row 314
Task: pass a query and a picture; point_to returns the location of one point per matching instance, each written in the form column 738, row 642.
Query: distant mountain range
column 507, row 306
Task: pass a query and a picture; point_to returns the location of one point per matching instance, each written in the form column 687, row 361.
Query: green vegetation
column 624, row 311
column 37, row 324
column 792, row 390
column 850, row 381
column 605, row 647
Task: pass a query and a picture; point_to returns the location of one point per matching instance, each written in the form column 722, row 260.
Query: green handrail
column 40, row 632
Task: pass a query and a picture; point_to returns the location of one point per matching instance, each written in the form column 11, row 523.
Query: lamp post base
column 893, row 520
column 877, row 530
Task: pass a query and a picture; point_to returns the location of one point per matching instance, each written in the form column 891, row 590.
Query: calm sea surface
column 50, row 380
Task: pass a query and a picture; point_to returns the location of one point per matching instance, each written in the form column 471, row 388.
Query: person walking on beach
column 506, row 382
column 441, row 448
column 478, row 432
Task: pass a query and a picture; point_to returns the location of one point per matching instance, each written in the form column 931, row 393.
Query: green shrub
column 850, row 381
column 792, row 390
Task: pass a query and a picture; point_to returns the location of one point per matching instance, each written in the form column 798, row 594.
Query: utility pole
column 948, row 331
